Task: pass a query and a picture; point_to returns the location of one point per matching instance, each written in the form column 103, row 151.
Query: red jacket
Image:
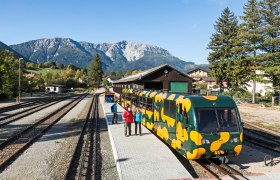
column 128, row 116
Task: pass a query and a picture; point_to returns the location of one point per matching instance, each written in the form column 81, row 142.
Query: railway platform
column 141, row 157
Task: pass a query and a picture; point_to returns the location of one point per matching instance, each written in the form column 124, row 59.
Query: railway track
column 210, row 168
column 15, row 145
column 83, row 164
column 19, row 115
column 25, row 104
column 261, row 137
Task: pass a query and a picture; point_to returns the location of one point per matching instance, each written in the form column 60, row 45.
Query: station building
column 164, row 77
column 55, row 88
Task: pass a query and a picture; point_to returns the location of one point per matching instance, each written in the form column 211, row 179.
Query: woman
column 128, row 120
column 137, row 121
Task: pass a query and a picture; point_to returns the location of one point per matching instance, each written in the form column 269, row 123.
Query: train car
column 196, row 126
column 109, row 97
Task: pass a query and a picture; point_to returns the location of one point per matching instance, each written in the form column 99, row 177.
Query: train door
column 181, row 125
column 149, row 113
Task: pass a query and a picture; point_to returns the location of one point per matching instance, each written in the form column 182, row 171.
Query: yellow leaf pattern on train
column 156, row 116
column 196, row 154
column 150, row 125
column 224, row 137
column 160, row 97
column 237, row 149
column 149, row 113
column 196, row 137
column 176, row 144
column 170, row 121
column 241, row 137
column 181, row 132
column 211, row 98
column 144, row 121
column 171, row 97
column 162, row 133
column 153, row 94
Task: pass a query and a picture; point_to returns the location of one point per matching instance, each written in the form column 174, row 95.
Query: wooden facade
column 159, row 78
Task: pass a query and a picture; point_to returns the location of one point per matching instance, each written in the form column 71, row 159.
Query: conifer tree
column 95, row 72
column 227, row 63
column 249, row 34
column 270, row 59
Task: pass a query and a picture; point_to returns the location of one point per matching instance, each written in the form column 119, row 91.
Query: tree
column 69, row 73
column 48, row 77
column 61, row 66
column 73, row 67
column 105, row 82
column 112, row 73
column 95, row 72
column 30, row 65
column 120, row 74
column 39, row 82
column 270, row 58
column 70, row 83
column 250, row 35
column 226, row 61
column 78, row 75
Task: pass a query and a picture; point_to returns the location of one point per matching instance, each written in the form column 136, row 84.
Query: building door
column 179, row 87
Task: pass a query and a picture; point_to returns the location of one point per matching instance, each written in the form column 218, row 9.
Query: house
column 111, row 79
column 262, row 88
column 198, row 74
column 55, row 88
column 164, row 77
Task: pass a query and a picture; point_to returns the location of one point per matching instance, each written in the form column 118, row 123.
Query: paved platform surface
column 141, row 157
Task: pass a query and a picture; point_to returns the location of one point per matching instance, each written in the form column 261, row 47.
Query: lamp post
column 19, row 80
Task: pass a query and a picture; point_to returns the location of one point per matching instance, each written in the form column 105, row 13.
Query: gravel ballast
column 107, row 167
column 12, row 128
column 49, row 156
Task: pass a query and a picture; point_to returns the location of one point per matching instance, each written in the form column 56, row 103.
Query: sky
column 183, row 27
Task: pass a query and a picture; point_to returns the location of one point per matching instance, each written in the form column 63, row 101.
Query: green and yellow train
column 196, row 126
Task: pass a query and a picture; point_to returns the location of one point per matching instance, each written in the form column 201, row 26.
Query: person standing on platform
column 115, row 113
column 138, row 120
column 128, row 116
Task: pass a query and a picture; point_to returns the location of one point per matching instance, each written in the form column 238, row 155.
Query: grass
column 43, row 71
column 273, row 127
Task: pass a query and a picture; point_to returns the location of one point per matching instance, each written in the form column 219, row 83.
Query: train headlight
column 234, row 140
column 205, row 141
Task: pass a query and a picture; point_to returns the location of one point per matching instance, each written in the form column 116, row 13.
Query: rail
column 14, row 146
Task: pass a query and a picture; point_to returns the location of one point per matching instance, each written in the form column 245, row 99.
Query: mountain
column 16, row 54
column 123, row 55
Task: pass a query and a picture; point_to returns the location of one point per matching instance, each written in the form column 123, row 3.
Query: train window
column 180, row 108
column 142, row 101
column 149, row 104
column 170, row 108
column 186, row 115
column 216, row 120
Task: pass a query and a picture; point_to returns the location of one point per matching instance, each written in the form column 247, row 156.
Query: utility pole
column 19, row 80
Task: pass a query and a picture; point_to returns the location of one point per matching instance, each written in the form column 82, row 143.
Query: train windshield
column 213, row 120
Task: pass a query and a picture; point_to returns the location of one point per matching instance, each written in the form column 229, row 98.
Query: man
column 128, row 116
column 115, row 113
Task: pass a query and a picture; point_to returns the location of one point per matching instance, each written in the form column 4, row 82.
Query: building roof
column 145, row 73
column 196, row 70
